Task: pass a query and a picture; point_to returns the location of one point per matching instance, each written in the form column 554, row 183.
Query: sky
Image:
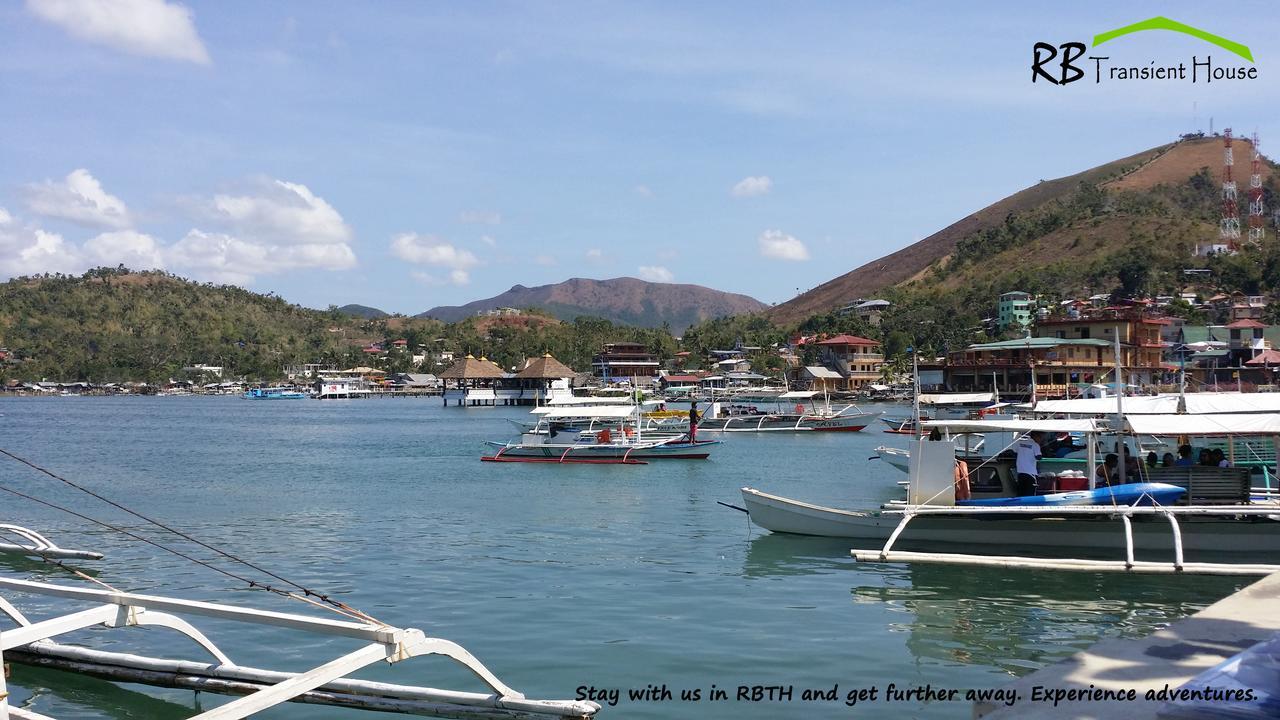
column 412, row 154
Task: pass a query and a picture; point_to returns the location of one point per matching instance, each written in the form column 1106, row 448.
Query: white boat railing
column 886, row 554
column 31, row 642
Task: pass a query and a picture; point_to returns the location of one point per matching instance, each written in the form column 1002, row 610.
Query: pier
column 1169, row 657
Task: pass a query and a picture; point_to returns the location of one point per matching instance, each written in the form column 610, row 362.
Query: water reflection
column 773, row 554
column 76, row 693
column 1020, row 620
column 1013, row 620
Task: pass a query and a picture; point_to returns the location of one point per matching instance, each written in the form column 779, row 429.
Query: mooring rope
column 309, row 596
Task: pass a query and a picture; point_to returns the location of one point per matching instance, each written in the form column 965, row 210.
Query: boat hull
column 850, row 422
column 666, row 451
column 783, row 515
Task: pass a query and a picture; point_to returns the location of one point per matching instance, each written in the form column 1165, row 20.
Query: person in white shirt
column 1027, row 449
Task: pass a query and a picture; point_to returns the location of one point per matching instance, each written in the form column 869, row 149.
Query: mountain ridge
column 624, row 300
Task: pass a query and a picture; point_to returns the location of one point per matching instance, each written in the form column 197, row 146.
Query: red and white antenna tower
column 1229, row 228
column 1256, row 231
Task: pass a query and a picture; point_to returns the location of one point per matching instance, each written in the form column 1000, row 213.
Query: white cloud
column 457, row 277
column 544, row 260
column 480, row 217
column 80, row 199
column 5, row 217
column 488, row 240
column 752, row 186
column 431, row 250
column 282, row 212
column 132, row 249
column 152, row 28
column 643, row 191
column 225, row 258
column 655, row 273
column 595, row 254
column 28, row 250
column 777, row 244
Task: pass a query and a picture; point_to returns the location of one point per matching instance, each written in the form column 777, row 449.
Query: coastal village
column 1052, row 349
column 724, row 361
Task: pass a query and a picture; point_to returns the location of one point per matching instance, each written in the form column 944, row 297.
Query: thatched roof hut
column 469, row 368
column 545, row 368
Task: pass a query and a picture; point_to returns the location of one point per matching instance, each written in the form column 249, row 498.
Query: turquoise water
column 555, row 576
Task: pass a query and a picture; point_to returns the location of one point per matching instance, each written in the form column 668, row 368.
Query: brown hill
column 1165, row 164
column 623, row 300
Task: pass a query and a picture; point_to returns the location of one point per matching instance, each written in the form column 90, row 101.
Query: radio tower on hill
column 1256, row 231
column 1229, row 228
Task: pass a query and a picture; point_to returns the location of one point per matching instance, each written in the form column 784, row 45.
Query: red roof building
column 848, row 340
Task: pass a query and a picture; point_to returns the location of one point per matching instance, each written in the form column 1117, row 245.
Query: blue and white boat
column 274, row 393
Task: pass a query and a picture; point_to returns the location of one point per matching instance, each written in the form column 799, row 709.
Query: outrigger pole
column 31, row 643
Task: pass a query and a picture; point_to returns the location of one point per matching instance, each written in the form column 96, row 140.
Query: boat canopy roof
column 1166, row 404
column 1206, row 424
column 1020, row 426
column 798, row 394
column 596, row 411
column 956, row 398
column 589, row 400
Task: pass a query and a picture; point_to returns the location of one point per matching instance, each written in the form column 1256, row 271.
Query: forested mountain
column 625, row 300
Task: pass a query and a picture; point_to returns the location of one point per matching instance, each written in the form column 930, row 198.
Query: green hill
column 115, row 325
column 118, row 325
column 1129, row 226
column 363, row 311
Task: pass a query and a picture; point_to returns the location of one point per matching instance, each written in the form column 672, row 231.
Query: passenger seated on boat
column 605, row 436
column 1184, row 456
column 1220, row 458
column 1206, row 458
column 1108, row 471
column 1167, row 460
column 1132, row 468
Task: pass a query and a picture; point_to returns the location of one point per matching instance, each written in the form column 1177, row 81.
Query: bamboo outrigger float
column 33, row 544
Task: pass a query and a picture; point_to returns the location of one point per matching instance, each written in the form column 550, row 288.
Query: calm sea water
column 555, row 576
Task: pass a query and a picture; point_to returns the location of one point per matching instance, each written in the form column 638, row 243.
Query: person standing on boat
column 1028, row 466
column 694, row 417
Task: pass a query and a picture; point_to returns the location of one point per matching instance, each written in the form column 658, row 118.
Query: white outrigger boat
column 559, row 437
column 31, row 642
column 1218, row 520
column 807, row 415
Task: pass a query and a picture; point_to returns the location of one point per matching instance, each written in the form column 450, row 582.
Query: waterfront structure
column 542, row 379
column 1065, row 355
column 626, row 362
column 1015, row 310
column 857, row 359
column 816, row 377
column 471, row 382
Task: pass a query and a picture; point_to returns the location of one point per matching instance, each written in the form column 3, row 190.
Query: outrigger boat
column 274, row 393
column 807, row 415
column 557, row 440
column 40, row 642
column 1215, row 516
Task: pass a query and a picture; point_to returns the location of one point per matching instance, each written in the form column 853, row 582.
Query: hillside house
column 1015, row 310
column 856, row 359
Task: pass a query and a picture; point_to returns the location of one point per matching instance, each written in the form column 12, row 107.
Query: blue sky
column 410, row 154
